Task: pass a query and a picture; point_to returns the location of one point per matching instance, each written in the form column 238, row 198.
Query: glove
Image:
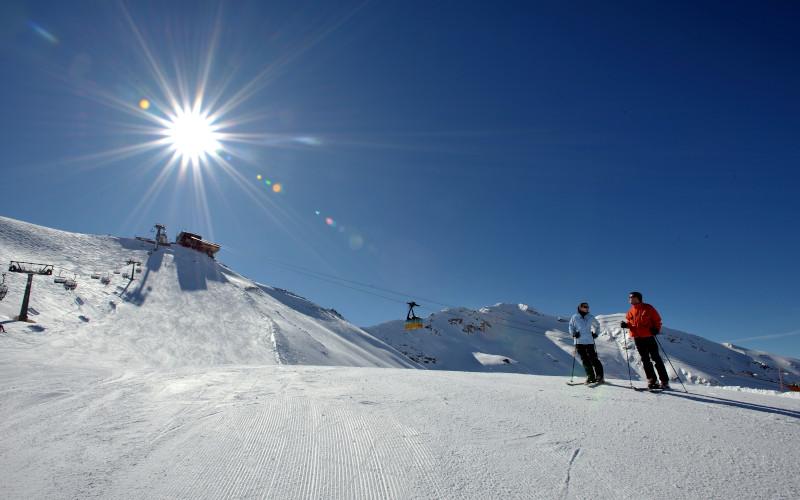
column 654, row 331
column 594, row 335
column 623, row 324
column 576, row 335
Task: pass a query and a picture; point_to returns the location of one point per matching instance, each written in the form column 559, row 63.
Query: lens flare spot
column 356, row 242
column 41, row 31
column 258, row 177
column 144, row 104
column 277, row 188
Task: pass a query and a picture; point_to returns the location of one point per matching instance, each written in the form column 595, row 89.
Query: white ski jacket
column 584, row 326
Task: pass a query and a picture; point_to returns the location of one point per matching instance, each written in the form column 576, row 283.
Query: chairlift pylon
column 412, row 320
column 3, row 288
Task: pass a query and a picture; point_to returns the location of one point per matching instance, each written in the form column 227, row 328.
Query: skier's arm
column 656, row 319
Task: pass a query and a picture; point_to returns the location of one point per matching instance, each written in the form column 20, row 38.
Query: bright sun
column 192, row 135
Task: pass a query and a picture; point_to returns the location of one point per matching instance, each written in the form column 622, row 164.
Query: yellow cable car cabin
column 412, row 321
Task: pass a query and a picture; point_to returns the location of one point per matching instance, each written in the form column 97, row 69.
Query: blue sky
column 453, row 153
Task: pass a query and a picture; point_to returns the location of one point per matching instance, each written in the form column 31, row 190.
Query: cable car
column 412, row 320
column 3, row 288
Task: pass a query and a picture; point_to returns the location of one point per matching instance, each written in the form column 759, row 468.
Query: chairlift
column 70, row 284
column 412, row 320
column 105, row 280
column 95, row 276
column 59, row 279
column 3, row 288
column 126, row 276
column 117, row 271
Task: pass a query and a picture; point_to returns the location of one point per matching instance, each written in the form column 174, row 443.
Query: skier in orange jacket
column 643, row 321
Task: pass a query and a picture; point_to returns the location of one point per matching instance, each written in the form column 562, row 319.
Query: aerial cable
column 360, row 287
column 311, row 271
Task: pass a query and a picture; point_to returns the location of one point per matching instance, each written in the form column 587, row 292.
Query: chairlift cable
column 354, row 285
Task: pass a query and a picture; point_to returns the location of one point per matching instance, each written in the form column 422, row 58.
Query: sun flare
column 192, row 135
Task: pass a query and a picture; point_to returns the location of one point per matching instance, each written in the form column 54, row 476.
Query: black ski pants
column 591, row 363
column 648, row 350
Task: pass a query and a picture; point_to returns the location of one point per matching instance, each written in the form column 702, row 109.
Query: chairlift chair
column 95, row 276
column 105, row 280
column 59, row 279
column 70, row 284
column 412, row 320
column 3, row 288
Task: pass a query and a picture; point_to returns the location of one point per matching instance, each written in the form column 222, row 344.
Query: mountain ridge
column 516, row 338
column 184, row 309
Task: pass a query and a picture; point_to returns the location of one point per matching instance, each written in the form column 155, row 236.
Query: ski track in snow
column 365, row 433
column 268, row 440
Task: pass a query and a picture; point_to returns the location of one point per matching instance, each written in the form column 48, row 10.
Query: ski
column 593, row 384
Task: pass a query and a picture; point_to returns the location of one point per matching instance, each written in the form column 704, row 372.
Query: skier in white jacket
column 584, row 328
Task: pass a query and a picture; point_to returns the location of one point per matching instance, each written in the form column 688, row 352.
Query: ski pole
column 670, row 363
column 627, row 360
column 572, row 375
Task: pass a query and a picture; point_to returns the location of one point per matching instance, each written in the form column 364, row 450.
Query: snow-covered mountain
column 192, row 381
column 182, row 308
column 516, row 338
column 186, row 309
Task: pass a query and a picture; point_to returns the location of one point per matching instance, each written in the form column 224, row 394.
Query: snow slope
column 183, row 309
column 367, row 433
column 515, row 338
column 194, row 382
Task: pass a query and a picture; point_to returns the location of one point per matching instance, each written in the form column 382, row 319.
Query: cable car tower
column 161, row 236
column 30, row 269
column 412, row 320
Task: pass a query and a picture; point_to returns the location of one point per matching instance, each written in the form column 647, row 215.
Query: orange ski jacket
column 641, row 318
